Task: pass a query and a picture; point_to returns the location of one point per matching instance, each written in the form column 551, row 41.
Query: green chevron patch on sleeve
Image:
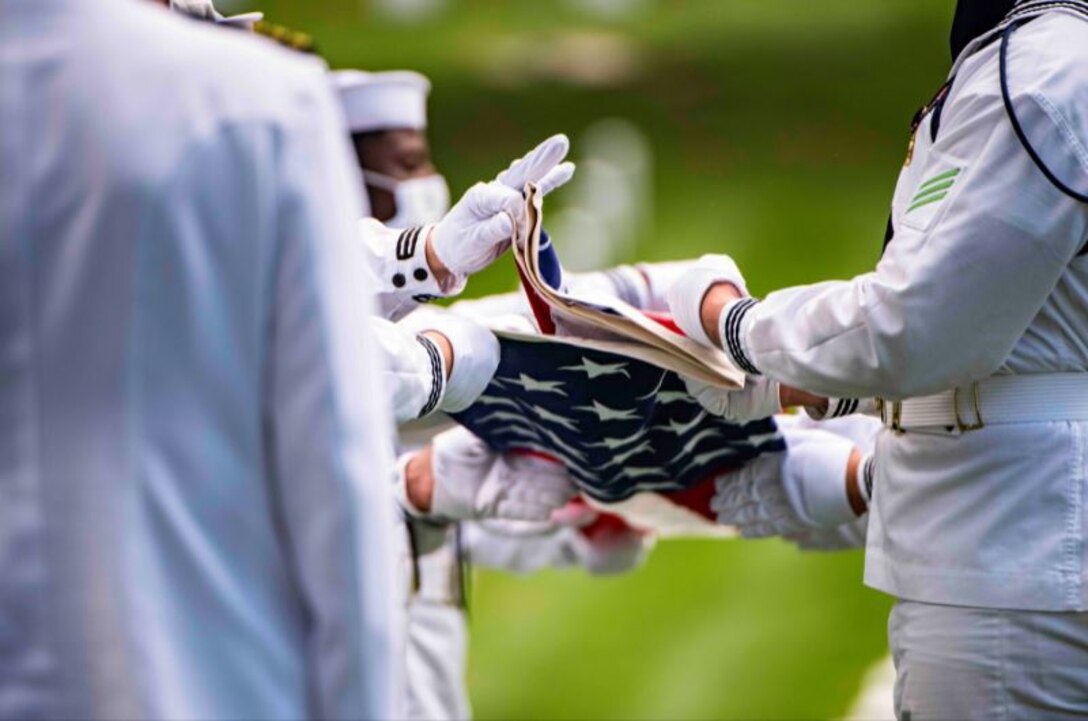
column 934, row 189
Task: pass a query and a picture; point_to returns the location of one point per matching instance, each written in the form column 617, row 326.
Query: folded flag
column 619, row 425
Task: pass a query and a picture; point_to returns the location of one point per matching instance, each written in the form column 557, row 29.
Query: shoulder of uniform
column 244, row 76
column 1049, row 56
column 1046, row 81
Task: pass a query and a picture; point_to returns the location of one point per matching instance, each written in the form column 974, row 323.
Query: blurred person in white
column 194, row 505
column 972, row 329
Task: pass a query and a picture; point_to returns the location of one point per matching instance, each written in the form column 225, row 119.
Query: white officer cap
column 382, row 101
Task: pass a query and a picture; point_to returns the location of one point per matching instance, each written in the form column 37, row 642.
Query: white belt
column 992, row 401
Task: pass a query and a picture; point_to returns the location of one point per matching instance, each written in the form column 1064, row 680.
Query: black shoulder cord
column 1003, row 67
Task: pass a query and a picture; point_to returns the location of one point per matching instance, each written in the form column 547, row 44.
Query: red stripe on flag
column 664, row 320
column 540, row 309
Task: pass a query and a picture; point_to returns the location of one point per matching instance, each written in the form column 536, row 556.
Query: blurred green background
column 776, row 129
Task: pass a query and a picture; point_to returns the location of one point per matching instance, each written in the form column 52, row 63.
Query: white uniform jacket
column 982, row 276
column 196, row 453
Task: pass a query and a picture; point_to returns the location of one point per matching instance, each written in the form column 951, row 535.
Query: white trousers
column 958, row 662
column 437, row 654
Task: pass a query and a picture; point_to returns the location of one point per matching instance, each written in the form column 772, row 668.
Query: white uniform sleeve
column 329, row 428
column 416, row 373
column 643, row 286
column 398, row 261
column 957, row 287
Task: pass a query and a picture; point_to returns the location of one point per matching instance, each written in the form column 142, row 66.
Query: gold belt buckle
column 978, row 422
column 895, row 423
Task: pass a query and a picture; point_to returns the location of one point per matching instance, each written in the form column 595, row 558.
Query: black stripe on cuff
column 733, row 320
column 406, row 243
column 438, row 379
column 843, row 407
column 870, row 468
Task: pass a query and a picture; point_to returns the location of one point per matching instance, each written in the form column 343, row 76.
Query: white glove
column 609, row 552
column 686, row 294
column 473, row 482
column 758, row 399
column 477, row 230
column 562, row 542
column 542, row 165
column 785, row 494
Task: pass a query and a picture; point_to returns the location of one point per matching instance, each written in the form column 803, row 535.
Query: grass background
column 777, row 129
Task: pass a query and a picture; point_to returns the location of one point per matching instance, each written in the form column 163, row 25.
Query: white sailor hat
column 382, row 101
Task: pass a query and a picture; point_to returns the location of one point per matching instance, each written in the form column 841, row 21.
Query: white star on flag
column 502, row 416
column 621, row 458
column 532, row 385
column 698, row 438
column 666, row 397
column 616, row 443
column 550, row 417
column 682, row 428
column 701, row 458
column 604, row 413
column 596, row 370
column 635, row 473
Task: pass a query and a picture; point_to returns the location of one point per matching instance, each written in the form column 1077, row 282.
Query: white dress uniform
column 194, row 468
column 983, row 288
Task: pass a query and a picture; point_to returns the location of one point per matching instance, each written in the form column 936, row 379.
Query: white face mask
column 419, row 200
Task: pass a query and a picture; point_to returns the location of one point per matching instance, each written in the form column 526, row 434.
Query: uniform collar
column 975, row 18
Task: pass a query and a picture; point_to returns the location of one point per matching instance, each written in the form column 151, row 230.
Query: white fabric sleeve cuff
column 840, row 408
column 475, row 358
column 414, row 374
column 733, row 326
column 399, row 260
column 437, row 369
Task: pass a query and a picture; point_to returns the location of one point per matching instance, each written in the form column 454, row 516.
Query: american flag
column 619, row 425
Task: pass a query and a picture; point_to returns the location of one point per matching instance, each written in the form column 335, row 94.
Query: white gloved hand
column 785, row 494
column 758, row 399
column 609, row 552
column 543, row 166
column 473, row 482
column 685, row 296
column 478, row 229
